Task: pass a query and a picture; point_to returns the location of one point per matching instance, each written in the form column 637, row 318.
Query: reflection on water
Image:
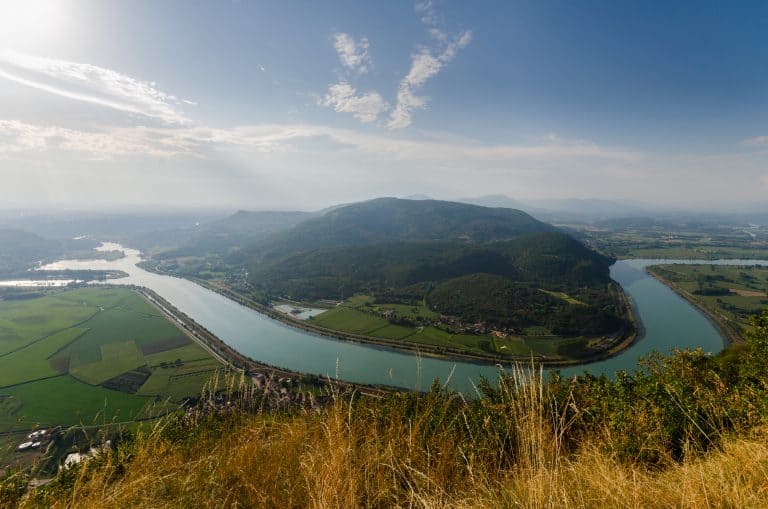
column 39, row 283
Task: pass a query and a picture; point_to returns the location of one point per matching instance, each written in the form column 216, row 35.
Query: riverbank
column 726, row 331
column 230, row 358
column 622, row 340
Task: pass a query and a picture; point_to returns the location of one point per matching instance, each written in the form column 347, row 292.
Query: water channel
column 668, row 322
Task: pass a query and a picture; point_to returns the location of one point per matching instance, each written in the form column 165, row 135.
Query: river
column 668, row 322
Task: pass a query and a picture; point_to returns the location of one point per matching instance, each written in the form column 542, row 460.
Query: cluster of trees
column 503, row 303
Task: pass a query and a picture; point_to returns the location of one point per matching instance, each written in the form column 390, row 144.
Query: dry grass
column 352, row 457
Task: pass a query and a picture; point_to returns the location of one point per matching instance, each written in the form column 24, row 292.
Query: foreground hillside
column 690, row 431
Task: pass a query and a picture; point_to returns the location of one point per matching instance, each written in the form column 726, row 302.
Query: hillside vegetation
column 19, row 250
column 496, row 266
column 391, row 219
column 687, row 431
column 224, row 237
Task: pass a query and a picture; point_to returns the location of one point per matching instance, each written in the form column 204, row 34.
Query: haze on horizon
column 303, row 104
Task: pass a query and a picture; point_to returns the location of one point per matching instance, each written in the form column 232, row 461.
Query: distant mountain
column 589, row 209
column 20, row 250
column 495, row 200
column 393, row 219
column 112, row 226
column 417, row 197
column 234, row 232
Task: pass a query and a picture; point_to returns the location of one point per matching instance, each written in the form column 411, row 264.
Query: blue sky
column 304, row 104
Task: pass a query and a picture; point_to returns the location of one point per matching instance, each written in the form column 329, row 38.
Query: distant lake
column 668, row 322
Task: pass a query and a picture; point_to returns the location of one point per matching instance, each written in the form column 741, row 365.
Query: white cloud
column 18, row 137
column 759, row 141
column 201, row 142
column 343, row 98
column 92, row 84
column 424, row 65
column 353, row 54
column 308, row 161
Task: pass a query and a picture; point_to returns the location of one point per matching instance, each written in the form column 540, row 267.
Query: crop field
column 698, row 252
column 356, row 316
column 563, row 296
column 732, row 294
column 92, row 356
column 678, row 240
column 350, row 320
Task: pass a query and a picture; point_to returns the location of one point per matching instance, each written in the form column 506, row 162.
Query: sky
column 299, row 105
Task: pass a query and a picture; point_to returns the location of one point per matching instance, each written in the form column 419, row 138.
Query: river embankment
column 729, row 334
column 235, row 360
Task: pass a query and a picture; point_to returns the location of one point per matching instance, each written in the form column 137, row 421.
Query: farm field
column 92, row 356
column 627, row 238
column 362, row 315
column 698, row 252
column 731, row 294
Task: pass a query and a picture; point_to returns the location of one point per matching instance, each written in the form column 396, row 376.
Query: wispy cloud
column 93, row 84
column 18, row 137
column 343, row 98
column 202, row 142
column 759, row 141
column 425, row 64
column 352, row 54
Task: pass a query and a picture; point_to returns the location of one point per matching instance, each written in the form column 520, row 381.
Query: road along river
column 667, row 322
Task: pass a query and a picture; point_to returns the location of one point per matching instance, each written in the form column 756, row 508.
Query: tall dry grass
column 429, row 451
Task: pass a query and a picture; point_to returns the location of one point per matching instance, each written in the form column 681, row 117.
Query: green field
column 563, row 296
column 676, row 239
column 357, row 316
column 697, row 252
column 92, row 356
column 732, row 294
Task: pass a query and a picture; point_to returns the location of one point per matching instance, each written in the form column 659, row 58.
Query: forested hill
column 227, row 236
column 477, row 264
column 391, row 219
column 551, row 259
column 19, row 249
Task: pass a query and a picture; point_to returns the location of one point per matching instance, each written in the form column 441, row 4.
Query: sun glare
column 29, row 22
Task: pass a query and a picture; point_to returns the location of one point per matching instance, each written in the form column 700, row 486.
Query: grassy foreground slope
column 688, row 431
